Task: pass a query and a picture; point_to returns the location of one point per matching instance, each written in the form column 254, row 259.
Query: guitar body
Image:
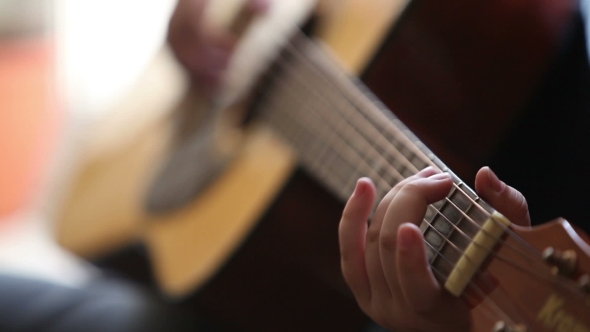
column 467, row 67
column 304, row 289
column 255, row 213
column 260, row 243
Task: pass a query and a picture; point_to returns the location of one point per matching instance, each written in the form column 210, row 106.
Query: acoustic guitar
column 252, row 265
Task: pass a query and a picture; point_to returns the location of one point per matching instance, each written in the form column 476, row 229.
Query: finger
column 417, row 282
column 410, row 203
column 351, row 232
column 507, row 200
column 380, row 288
column 382, row 208
column 408, row 206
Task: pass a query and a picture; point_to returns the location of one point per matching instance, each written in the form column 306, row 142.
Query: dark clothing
column 547, row 156
column 107, row 305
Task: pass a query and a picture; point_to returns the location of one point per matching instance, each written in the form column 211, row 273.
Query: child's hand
column 385, row 264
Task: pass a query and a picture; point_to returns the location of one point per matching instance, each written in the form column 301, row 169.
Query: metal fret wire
column 531, row 250
column 352, row 129
column 452, row 203
column 313, row 122
column 400, row 156
column 396, row 129
column 492, row 310
column 457, row 187
column 474, row 287
column 387, row 119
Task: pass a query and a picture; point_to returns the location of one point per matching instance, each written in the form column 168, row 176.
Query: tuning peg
column 564, row 262
column 501, row 326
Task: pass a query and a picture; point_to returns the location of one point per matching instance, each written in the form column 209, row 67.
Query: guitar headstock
column 543, row 278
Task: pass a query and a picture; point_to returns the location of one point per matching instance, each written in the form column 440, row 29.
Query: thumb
column 507, row 200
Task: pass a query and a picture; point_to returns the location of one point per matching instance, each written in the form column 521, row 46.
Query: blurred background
column 64, row 66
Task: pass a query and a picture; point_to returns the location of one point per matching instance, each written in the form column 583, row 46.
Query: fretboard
column 342, row 132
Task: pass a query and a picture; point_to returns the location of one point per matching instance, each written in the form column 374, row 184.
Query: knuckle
column 412, row 189
column 521, row 205
column 346, row 256
column 387, row 241
column 373, row 234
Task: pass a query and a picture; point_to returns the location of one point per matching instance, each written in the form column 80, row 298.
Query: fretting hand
column 385, row 264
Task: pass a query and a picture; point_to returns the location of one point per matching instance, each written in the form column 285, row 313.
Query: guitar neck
column 342, row 132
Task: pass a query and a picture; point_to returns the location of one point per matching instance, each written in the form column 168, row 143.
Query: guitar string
column 492, row 309
column 460, row 251
column 297, row 119
column 380, row 135
column 466, row 216
column 534, row 253
column 532, row 273
column 401, row 157
column 488, row 302
column 436, row 209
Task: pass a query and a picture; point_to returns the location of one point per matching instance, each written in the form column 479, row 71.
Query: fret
column 447, row 250
column 418, row 162
column 407, row 173
column 334, row 142
column 405, row 151
column 448, row 257
column 355, row 142
column 431, row 212
column 372, row 133
column 443, row 226
column 431, row 254
column 342, row 133
column 443, row 262
column 341, row 168
column 433, row 238
column 391, row 179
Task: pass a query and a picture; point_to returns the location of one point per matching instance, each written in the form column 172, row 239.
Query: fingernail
column 360, row 188
column 440, row 176
column 405, row 239
column 427, row 169
column 495, row 182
